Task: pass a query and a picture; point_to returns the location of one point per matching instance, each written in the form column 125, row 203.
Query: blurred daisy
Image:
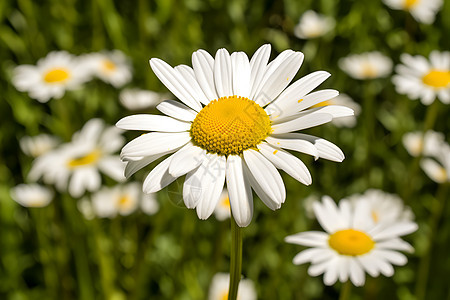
column 368, row 65
column 51, row 76
column 31, row 195
column 222, row 210
column 343, row 100
column 419, row 78
column 417, row 143
column 312, row 25
column 38, row 145
column 218, row 289
column 75, row 166
column 120, row 199
column 149, row 204
column 384, row 207
column 136, row 99
column 352, row 244
column 235, row 118
column 112, row 67
column 438, row 167
column 424, row 11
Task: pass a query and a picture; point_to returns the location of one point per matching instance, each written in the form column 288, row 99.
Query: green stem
column 346, row 291
column 369, row 126
column 424, row 264
column 236, row 259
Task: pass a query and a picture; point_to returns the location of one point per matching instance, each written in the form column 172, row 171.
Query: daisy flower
column 424, row 11
column 312, row 25
column 352, row 244
column 218, row 289
column 235, row 118
column 343, row 100
column 419, row 78
column 111, row 67
column 31, row 195
column 120, row 199
column 75, row 166
column 51, row 76
column 384, row 207
column 136, row 99
column 368, row 65
column 222, row 210
column 417, row 143
column 438, row 167
column 38, row 145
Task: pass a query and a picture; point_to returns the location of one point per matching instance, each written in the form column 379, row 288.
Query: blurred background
column 69, row 250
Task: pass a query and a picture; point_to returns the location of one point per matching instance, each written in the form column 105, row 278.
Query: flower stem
column 236, row 259
column 346, row 290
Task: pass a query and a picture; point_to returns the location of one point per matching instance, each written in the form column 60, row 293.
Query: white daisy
column 31, row 195
column 352, row 244
column 236, row 118
column 424, row 11
column 149, row 204
column 417, row 143
column 136, row 99
column 76, row 165
column 343, row 100
column 366, row 65
column 438, row 167
column 51, row 76
column 222, row 210
column 218, row 289
column 38, row 145
column 312, row 25
column 420, row 78
column 120, row 199
column 112, row 67
column 384, row 207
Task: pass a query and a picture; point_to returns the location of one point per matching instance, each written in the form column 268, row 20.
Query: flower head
column 51, row 76
column 352, row 244
column 428, row 144
column 368, row 65
column 237, row 115
column 31, row 195
column 419, row 78
column 110, row 66
column 437, row 166
column 312, row 25
column 218, row 289
column 76, row 165
column 424, row 11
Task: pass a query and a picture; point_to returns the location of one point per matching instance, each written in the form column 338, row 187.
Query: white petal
column 223, row 73
column 307, row 121
column 327, row 214
column 177, row 110
column 356, row 273
column 239, row 191
column 186, row 159
column 287, row 162
column 258, row 65
column 308, row 238
column 269, row 202
column 325, row 149
column 331, row 274
column 134, row 166
column 154, row 143
column 159, row 177
column 395, row 244
column 188, row 74
column 152, row 123
column 241, row 74
column 266, row 175
column 396, row 230
column 289, row 141
column 306, row 255
column 175, row 83
column 391, row 256
column 369, row 264
column 278, row 77
column 203, row 65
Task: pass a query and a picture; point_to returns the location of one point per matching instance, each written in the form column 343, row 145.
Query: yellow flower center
column 225, row 202
column 437, row 79
column 56, row 75
column 224, row 296
column 125, row 201
column 351, row 242
column 88, row 159
column 441, row 175
column 410, row 3
column 368, row 71
column 230, row 125
column 108, row 65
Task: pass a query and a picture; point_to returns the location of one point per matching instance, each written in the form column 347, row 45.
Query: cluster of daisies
column 434, row 153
